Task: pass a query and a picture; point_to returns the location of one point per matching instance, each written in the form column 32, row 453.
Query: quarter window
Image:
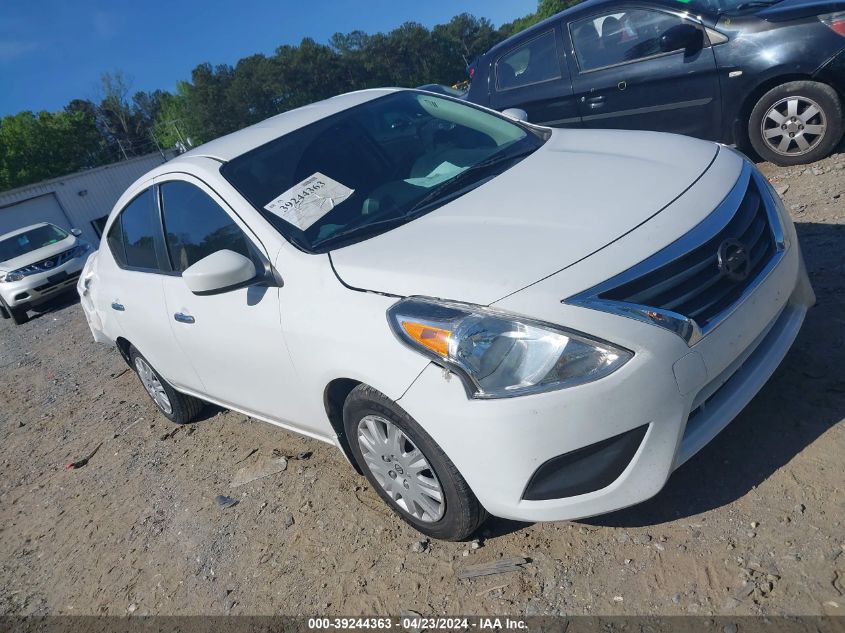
column 132, row 236
column 617, row 38
column 195, row 226
column 533, row 62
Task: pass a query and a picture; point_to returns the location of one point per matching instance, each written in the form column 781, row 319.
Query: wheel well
column 123, row 347
column 333, row 398
column 741, row 122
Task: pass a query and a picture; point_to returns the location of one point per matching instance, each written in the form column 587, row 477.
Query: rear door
column 622, row 79
column 534, row 76
column 131, row 289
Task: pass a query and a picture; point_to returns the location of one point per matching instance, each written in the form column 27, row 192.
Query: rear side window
column 618, row 38
column 534, row 62
column 132, row 236
column 195, row 226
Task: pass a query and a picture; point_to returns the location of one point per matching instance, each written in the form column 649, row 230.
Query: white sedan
column 483, row 315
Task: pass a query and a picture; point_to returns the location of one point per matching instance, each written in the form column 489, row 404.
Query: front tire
column 796, row 123
column 18, row 315
column 408, row 470
column 175, row 406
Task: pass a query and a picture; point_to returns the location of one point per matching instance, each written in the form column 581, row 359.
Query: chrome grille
column 693, row 285
column 46, row 265
column 690, row 286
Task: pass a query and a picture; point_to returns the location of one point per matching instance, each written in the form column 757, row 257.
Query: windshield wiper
column 440, row 190
column 437, row 195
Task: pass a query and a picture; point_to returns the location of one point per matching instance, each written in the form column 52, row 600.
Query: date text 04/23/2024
column 418, row 623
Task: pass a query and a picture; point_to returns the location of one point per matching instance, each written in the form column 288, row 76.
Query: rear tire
column 810, row 111
column 175, row 406
column 412, row 472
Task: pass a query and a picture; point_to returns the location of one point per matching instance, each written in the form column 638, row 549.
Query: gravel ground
column 751, row 525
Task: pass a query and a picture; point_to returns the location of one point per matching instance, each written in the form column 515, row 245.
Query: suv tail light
column 836, row 22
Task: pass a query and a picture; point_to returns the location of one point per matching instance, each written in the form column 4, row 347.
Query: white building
column 82, row 200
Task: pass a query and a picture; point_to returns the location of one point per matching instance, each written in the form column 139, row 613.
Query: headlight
column 15, row 275
column 500, row 355
column 80, row 250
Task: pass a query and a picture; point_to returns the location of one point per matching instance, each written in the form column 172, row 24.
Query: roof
column 232, row 145
column 23, row 230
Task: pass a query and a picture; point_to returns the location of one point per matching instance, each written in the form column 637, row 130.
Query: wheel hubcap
column 153, row 385
column 401, row 469
column 794, row 126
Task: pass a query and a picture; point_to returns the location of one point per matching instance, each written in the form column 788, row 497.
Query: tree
column 34, row 147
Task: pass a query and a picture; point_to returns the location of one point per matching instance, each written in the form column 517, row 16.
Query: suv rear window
column 534, row 62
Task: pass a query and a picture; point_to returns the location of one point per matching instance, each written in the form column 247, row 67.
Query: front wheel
column 176, row 407
column 408, row 469
column 795, row 123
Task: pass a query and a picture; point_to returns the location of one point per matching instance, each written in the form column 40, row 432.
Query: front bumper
column 40, row 287
column 684, row 396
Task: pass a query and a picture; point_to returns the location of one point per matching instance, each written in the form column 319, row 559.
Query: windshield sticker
column 23, row 240
column 305, row 203
column 443, row 172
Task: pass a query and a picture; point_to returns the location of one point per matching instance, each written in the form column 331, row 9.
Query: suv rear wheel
column 795, row 123
column 176, row 407
column 408, row 470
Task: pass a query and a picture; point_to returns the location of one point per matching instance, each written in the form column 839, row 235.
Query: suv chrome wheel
column 153, row 385
column 794, row 126
column 401, row 469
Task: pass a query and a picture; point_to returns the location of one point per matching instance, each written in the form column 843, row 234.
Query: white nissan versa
column 484, row 315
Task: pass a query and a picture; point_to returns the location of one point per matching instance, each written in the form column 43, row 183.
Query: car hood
column 795, row 9
column 579, row 192
column 39, row 254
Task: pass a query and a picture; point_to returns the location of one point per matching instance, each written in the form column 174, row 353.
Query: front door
column 533, row 76
column 623, row 79
column 232, row 340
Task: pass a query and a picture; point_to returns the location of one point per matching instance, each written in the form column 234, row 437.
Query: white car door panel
column 234, row 339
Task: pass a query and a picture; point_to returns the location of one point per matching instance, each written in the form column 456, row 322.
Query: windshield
column 30, row 240
column 373, row 167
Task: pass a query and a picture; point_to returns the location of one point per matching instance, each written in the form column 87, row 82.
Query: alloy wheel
column 401, row 469
column 153, row 385
column 794, row 126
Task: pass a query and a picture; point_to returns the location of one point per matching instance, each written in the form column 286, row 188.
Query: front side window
column 131, row 238
column 533, row 62
column 621, row 37
column 30, row 240
column 196, row 226
column 372, row 167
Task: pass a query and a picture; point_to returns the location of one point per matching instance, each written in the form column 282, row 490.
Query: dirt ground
column 752, row 525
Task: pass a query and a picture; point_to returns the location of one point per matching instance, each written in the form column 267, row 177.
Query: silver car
column 37, row 263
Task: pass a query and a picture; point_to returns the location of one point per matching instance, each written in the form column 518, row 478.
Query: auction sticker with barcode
column 308, row 201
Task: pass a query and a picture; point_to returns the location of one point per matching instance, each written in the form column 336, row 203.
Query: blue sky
column 54, row 51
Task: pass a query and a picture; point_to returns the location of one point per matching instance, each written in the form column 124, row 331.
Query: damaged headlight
column 500, row 355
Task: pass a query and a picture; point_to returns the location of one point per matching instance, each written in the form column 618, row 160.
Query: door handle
column 117, row 306
column 596, row 102
column 184, row 318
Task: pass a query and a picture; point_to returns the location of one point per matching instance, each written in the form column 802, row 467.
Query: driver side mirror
column 517, row 114
column 682, row 37
column 220, row 272
column 76, row 232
